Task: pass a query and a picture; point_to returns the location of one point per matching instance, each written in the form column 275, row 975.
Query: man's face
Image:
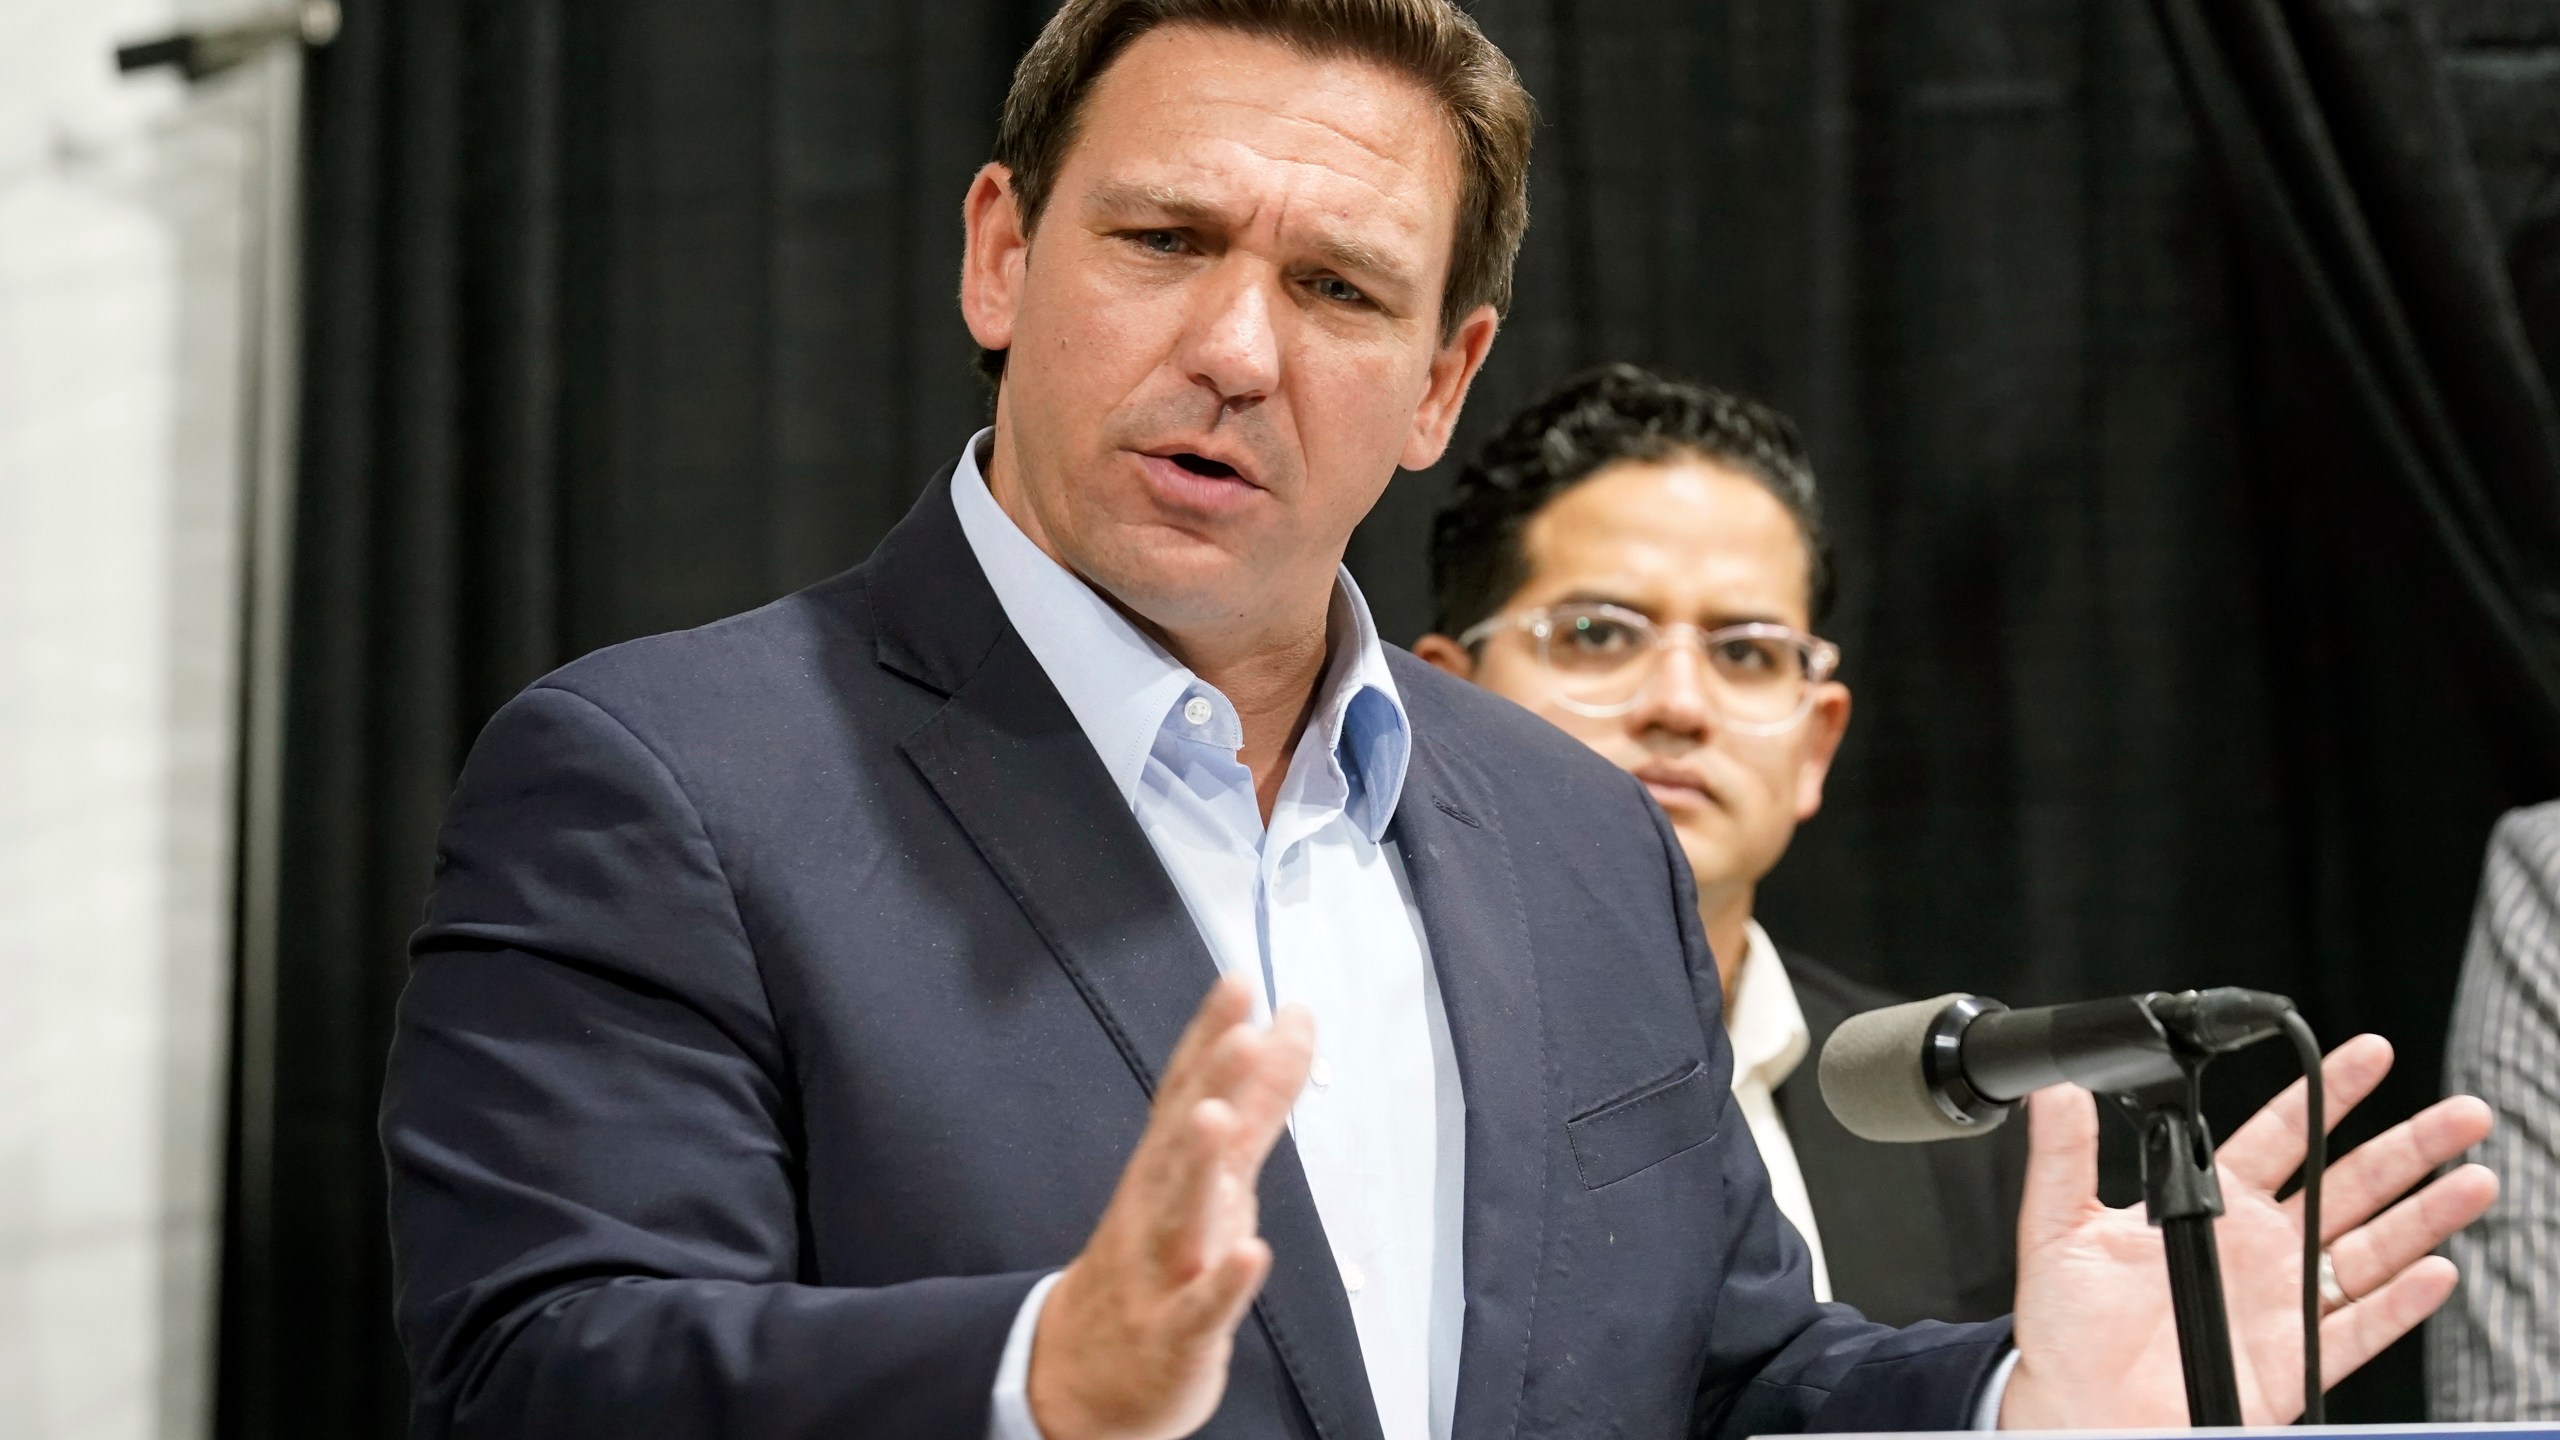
column 1685, row 540
column 1225, row 334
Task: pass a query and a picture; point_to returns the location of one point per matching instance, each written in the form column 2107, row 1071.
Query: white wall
column 124, row 212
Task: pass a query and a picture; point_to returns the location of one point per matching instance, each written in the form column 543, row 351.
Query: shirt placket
column 1308, row 802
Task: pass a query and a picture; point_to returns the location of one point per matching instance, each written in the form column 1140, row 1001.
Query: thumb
column 2062, row 1165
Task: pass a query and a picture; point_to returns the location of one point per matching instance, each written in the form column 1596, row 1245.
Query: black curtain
column 2172, row 373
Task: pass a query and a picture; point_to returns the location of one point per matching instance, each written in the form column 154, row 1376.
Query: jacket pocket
column 1644, row 1129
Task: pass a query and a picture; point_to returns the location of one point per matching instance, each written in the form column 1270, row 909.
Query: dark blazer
column 1909, row 1232
column 789, row 999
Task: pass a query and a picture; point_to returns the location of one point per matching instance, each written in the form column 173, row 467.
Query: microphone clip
column 2181, row 1190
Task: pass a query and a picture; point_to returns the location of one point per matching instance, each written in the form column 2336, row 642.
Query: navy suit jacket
column 790, row 996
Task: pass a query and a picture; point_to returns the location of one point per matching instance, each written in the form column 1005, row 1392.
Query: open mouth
column 1202, row 465
column 1193, row 483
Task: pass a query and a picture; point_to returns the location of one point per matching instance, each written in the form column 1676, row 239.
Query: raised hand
column 2098, row 1346
column 1134, row 1338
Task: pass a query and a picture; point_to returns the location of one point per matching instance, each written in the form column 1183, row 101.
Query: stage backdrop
column 2171, row 371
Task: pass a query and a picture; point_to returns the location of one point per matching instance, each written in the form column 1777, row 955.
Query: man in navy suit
column 806, row 1037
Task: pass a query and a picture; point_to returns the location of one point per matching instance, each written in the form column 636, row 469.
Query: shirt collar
column 1767, row 1026
column 1124, row 688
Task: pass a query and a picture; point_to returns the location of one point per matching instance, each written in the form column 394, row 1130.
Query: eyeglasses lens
column 1608, row 658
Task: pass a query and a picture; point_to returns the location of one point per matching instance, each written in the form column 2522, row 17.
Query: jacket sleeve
column 591, row 1128
column 1777, row 1362
column 2493, row 1351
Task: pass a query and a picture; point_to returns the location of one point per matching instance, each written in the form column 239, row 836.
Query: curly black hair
column 1595, row 419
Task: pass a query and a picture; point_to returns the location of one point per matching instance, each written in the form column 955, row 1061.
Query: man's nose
column 1233, row 346
column 1675, row 699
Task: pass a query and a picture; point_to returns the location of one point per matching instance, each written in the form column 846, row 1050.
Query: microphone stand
column 2147, row 1053
column 2182, row 1196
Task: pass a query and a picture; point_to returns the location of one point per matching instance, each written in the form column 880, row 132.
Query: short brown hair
column 1433, row 41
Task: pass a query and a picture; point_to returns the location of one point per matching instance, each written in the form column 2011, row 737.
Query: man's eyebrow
column 1604, row 597
column 1174, row 203
column 1360, row 258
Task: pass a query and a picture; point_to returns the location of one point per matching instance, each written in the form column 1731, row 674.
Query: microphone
column 1957, row 1065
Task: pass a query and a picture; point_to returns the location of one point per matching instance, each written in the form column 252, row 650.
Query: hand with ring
column 2097, row 1342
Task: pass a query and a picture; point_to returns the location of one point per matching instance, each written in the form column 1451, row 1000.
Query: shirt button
column 1353, row 1277
column 1320, row 1074
column 1196, row 710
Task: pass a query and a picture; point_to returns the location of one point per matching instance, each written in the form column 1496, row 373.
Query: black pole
column 2183, row 1198
column 2204, row 1331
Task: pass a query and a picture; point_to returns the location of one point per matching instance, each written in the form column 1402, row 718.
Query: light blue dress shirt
column 1313, row 909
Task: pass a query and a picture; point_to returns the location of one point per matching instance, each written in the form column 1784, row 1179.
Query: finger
column 2062, row 1164
column 2372, row 1254
column 2271, row 1145
column 1231, row 1217
column 1268, row 1084
column 1227, row 1006
column 1207, row 1310
column 1210, row 1071
column 1256, row 1076
column 1218, row 1067
column 1178, row 1194
column 2356, row 1333
column 2383, row 1168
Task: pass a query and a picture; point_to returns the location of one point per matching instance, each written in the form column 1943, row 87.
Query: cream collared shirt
column 1770, row 1038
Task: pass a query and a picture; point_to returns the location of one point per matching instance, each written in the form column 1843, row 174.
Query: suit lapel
column 1460, row 866
column 1017, row 773
column 1022, row 780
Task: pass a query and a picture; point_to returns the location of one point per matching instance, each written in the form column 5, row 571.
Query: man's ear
column 1448, row 654
column 1453, row 369
column 996, row 250
column 1827, row 722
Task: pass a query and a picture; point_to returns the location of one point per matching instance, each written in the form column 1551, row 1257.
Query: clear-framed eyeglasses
column 1606, row 659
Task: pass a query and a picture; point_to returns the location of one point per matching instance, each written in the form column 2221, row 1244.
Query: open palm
column 2097, row 1343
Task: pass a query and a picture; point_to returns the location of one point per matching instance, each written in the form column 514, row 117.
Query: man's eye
column 1593, row 635
column 1341, row 291
column 1163, row 242
column 1754, row 657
